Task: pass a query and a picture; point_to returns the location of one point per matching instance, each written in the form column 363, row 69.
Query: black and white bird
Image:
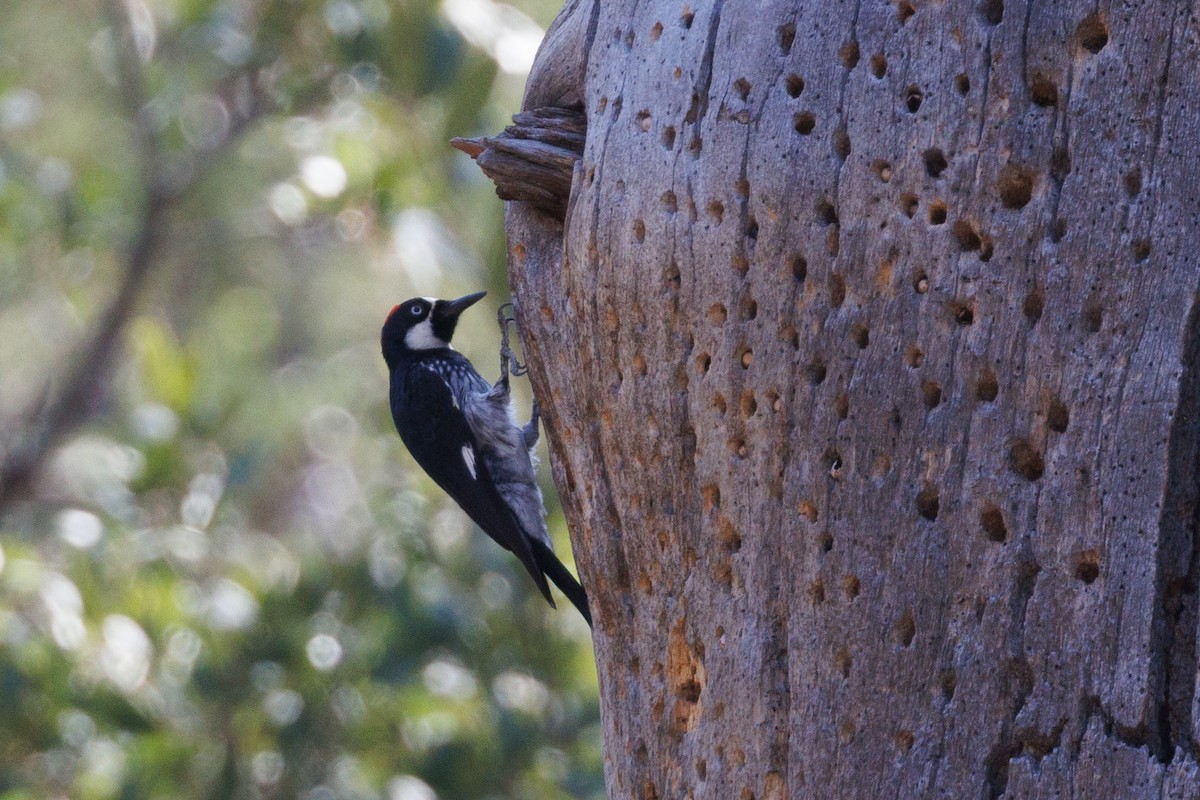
column 463, row 432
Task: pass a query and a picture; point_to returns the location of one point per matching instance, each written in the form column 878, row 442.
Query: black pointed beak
column 450, row 309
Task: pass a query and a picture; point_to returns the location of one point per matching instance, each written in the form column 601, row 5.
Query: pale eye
column 416, row 311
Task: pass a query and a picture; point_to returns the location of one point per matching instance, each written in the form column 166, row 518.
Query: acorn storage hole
column 1015, row 186
column 1085, row 565
column 937, row 213
column 913, row 97
column 804, row 122
column 991, row 519
column 1025, row 460
column 935, row 162
column 1093, row 33
column 928, row 502
column 795, row 85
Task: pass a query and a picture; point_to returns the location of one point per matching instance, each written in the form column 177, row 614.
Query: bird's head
column 422, row 323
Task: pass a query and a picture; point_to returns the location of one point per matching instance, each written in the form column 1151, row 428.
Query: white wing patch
column 468, row 454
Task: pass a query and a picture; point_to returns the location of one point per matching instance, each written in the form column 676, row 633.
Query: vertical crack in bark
column 700, row 102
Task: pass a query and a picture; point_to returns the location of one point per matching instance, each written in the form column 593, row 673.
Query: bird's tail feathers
column 562, row 578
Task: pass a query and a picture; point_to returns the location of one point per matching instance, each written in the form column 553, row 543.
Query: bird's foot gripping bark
column 509, row 365
column 530, row 431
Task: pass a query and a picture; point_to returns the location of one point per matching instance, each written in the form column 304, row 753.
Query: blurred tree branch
column 73, row 396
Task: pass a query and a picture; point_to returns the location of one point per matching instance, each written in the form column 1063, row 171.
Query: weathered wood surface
column 534, row 158
column 868, row 358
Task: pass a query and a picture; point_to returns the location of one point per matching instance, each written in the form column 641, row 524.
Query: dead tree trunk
column 868, row 352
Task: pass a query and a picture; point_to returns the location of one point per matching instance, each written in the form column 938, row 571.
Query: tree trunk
column 868, row 356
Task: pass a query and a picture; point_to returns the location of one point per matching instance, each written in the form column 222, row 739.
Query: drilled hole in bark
column 740, row 264
column 842, row 662
column 908, row 204
column 825, row 542
column 695, row 146
column 913, row 97
column 905, row 629
column 860, row 334
column 742, row 87
column 914, row 356
column 748, row 405
column 799, row 265
column 639, row 231
column 848, row 54
column 947, row 682
column 1058, row 416
column 837, row 290
column 1141, row 249
column 804, row 122
column 643, row 120
column 1093, row 316
column 789, row 334
column 808, row 511
column 668, row 137
column 1043, row 91
column 1015, row 186
column 656, row 31
column 752, row 229
column 931, row 393
column 703, row 362
column 904, row 11
column 962, row 84
column 851, row 586
column 879, row 65
column 737, row 447
column 711, row 497
column 1133, row 183
column 963, row 311
column 749, row 309
column 826, row 212
column 1093, row 33
column 670, row 202
column 986, row 387
column 935, row 162
column 966, row 236
column 718, row 402
column 617, row 105
column 1033, row 305
column 787, row 36
column 815, row 372
column 1060, row 164
column 992, row 11
column 746, row 358
column 928, row 503
column 882, row 170
column 689, row 16
column 842, row 405
column 1025, row 460
column 717, row 314
column 639, row 364
column 795, row 85
column 937, row 213
column 1085, row 565
column 832, row 461
column 716, row 210
column 903, row 741
column 816, row 592
column 774, row 401
column 841, row 144
column 992, row 521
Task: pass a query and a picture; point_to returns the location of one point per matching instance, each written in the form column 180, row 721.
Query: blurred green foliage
column 232, row 581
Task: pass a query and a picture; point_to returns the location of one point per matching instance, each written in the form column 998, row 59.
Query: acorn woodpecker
column 463, row 433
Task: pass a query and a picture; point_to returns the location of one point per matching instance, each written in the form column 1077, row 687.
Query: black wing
column 436, row 432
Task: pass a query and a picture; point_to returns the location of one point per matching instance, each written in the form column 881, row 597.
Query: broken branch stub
column 534, row 158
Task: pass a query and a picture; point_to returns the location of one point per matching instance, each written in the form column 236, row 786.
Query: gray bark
column 868, row 357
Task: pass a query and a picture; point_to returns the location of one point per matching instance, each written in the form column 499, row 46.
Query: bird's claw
column 509, row 365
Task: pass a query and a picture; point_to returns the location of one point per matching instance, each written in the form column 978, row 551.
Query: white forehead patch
column 422, row 337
